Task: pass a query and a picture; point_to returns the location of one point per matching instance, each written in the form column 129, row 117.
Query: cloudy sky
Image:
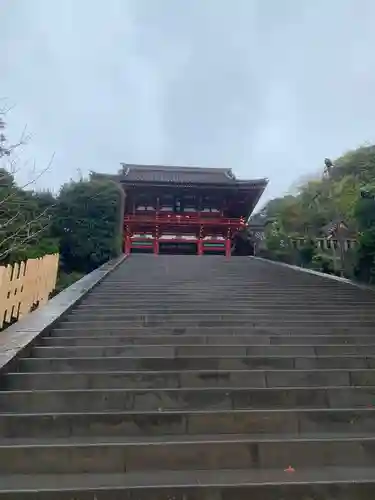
column 266, row 87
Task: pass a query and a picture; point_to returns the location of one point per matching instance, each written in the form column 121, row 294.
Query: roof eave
column 243, row 185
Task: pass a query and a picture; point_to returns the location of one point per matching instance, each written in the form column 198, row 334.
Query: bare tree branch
column 9, row 221
column 28, row 184
column 6, row 150
column 22, row 218
column 24, row 227
column 22, row 242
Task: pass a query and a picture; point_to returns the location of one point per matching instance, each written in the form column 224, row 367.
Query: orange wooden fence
column 26, row 285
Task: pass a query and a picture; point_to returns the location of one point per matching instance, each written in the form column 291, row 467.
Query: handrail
column 174, row 218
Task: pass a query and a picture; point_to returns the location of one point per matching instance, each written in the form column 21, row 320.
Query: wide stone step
column 203, row 320
column 143, row 423
column 173, row 351
column 94, row 400
column 199, row 289
column 223, row 280
column 214, row 301
column 254, row 321
column 201, row 452
column 66, row 338
column 280, row 290
column 229, row 279
column 155, row 363
column 137, row 313
column 214, row 307
column 225, row 314
column 203, row 284
column 218, row 305
column 194, row 378
column 346, row 483
column 119, row 328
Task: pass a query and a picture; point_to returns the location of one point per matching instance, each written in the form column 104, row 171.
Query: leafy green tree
column 333, row 196
column 358, row 164
column 278, row 243
column 365, row 215
column 306, row 253
column 89, row 223
column 25, row 222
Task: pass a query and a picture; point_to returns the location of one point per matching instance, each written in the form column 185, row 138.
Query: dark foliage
column 89, row 223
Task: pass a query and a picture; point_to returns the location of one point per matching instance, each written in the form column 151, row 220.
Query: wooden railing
column 327, row 243
column 184, row 219
column 25, row 286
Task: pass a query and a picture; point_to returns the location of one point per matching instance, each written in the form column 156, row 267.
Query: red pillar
column 127, row 245
column 156, row 246
column 200, row 247
column 200, row 241
column 228, row 246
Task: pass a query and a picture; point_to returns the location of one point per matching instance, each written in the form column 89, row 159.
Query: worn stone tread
column 175, row 390
column 181, row 439
column 180, row 479
column 185, row 378
column 291, row 411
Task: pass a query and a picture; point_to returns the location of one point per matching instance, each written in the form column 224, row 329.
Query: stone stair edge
column 203, row 346
column 216, row 356
column 189, row 371
column 194, row 412
column 181, row 439
column 319, row 274
column 22, row 334
column 188, row 480
column 219, row 389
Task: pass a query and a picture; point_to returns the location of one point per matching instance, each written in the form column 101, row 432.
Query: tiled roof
column 332, row 228
column 177, row 175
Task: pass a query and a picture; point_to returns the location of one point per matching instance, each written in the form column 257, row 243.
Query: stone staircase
column 197, row 378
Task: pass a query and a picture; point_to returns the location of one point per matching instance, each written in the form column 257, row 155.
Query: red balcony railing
column 183, row 219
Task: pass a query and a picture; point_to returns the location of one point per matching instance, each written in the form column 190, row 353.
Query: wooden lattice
column 26, row 285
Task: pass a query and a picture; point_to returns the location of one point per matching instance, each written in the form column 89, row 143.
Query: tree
column 365, row 215
column 25, row 216
column 320, row 201
column 89, row 223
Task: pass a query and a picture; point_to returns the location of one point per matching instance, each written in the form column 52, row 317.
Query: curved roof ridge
column 179, row 168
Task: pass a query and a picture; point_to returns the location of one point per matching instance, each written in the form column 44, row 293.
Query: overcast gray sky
column 266, row 87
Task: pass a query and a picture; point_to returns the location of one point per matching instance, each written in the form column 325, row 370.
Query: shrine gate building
column 185, row 209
